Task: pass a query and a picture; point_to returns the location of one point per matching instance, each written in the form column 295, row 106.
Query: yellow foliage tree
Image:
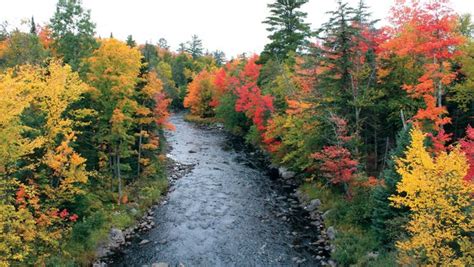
column 440, row 203
column 17, row 232
column 114, row 70
column 13, row 101
column 38, row 176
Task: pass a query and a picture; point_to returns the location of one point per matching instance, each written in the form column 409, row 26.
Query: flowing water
column 226, row 212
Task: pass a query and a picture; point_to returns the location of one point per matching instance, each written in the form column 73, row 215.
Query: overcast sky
column 233, row 26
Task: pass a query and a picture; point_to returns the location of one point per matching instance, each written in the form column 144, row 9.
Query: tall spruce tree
column 194, row 47
column 387, row 221
column 33, row 29
column 287, row 27
column 73, row 32
column 347, row 56
column 130, row 42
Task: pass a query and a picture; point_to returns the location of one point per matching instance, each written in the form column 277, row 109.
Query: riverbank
column 98, row 235
column 140, row 220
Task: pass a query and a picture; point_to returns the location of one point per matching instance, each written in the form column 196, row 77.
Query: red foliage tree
column 250, row 99
column 426, row 32
column 336, row 162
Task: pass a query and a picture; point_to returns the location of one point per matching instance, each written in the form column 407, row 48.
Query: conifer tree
column 288, row 30
column 130, row 42
column 194, row 47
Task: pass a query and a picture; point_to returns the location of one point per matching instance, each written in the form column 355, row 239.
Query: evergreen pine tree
column 387, row 221
column 288, row 31
column 33, row 29
column 130, row 42
column 195, row 47
column 219, row 57
column 347, row 57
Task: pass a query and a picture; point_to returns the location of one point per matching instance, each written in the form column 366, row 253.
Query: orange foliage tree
column 426, row 31
column 201, row 92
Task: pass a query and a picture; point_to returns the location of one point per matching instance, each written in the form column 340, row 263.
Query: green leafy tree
column 150, row 55
column 165, row 73
column 73, row 32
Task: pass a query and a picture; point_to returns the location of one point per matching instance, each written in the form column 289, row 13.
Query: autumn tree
column 200, row 94
column 426, row 31
column 250, row 99
column 41, row 173
column 336, row 161
column 439, row 200
column 467, row 146
column 114, row 70
column 22, row 48
column 151, row 115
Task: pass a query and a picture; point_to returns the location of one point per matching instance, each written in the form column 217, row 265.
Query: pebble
column 144, row 241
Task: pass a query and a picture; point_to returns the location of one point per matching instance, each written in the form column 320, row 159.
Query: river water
column 226, row 212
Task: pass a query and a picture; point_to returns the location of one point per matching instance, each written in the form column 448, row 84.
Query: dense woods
column 375, row 119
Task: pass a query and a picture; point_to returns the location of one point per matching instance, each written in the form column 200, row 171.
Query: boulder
column 331, row 233
column 314, row 204
column 285, row 173
column 116, row 237
column 160, row 264
column 372, row 255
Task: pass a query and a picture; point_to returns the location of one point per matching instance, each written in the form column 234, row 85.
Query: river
column 226, row 212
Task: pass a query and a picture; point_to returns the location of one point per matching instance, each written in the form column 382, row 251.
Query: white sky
column 233, row 26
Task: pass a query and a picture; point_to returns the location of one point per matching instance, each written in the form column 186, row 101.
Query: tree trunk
column 376, row 150
column 112, row 169
column 140, row 140
column 119, row 177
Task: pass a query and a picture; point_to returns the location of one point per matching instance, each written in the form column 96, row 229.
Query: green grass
column 351, row 219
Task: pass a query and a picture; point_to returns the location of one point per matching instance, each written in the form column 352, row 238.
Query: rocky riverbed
column 224, row 208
